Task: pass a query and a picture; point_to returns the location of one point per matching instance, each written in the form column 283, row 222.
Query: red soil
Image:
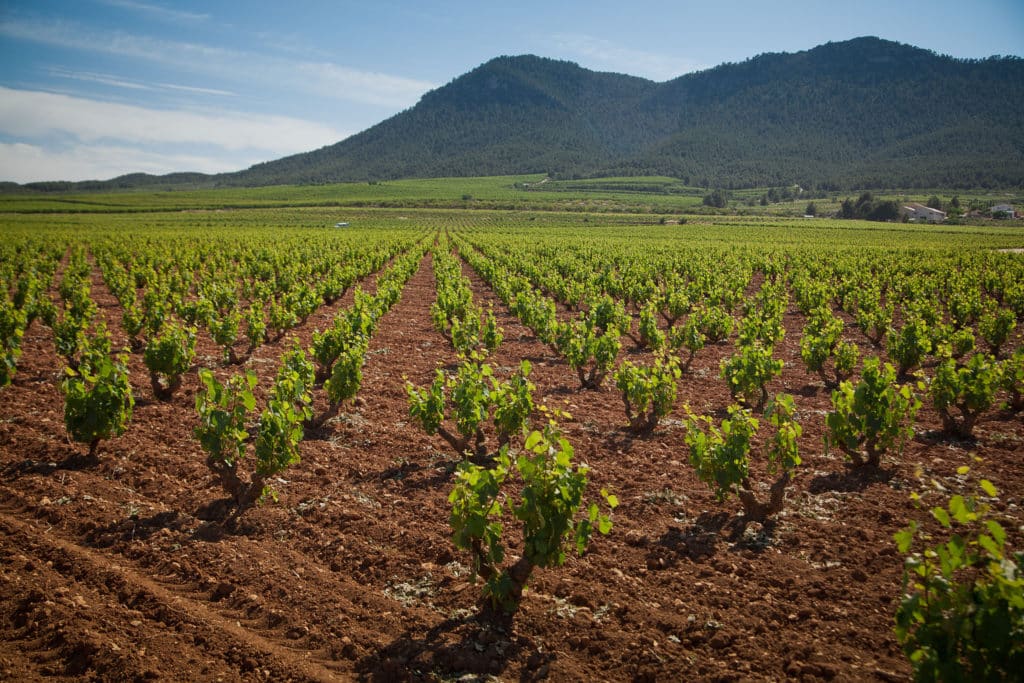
column 108, row 570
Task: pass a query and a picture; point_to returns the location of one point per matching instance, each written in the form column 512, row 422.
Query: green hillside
column 842, row 116
column 862, row 113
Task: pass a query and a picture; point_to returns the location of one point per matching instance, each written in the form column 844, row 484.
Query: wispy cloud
column 323, row 78
column 26, row 163
column 331, row 80
column 119, row 82
column 155, row 10
column 195, row 89
column 605, row 54
column 72, row 138
column 32, row 115
column 53, row 120
column 68, row 34
column 102, row 79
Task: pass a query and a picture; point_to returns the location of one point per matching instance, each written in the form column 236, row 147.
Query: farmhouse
column 919, row 212
column 1002, row 210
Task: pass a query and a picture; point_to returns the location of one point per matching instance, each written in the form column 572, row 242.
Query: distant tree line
column 868, row 208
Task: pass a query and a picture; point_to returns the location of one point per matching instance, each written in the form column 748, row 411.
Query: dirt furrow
column 82, row 624
column 108, row 569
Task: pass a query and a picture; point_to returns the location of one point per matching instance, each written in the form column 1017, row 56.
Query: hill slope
column 860, row 113
column 864, row 112
column 511, row 115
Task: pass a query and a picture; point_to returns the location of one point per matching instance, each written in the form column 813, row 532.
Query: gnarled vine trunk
column 639, row 422
column 756, row 511
column 243, row 494
column 461, row 444
column 162, row 391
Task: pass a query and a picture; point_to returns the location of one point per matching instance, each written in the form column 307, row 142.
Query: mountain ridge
column 860, row 113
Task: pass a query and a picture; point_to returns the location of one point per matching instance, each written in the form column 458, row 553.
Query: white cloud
column 24, row 163
column 157, row 10
column 192, row 88
column 322, row 78
column 68, row 34
column 332, row 80
column 61, row 137
column 605, row 54
column 102, row 79
column 33, row 115
column 119, row 82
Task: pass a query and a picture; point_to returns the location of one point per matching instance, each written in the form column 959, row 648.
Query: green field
column 656, row 196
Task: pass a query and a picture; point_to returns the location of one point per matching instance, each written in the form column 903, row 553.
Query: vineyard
column 242, row 444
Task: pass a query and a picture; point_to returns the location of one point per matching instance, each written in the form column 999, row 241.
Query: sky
column 94, row 89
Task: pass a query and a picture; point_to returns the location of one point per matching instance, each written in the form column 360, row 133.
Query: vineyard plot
column 117, row 568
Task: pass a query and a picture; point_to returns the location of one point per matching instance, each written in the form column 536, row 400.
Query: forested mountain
column 511, row 115
column 860, row 113
column 863, row 113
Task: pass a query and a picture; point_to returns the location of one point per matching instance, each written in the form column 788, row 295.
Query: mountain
column 860, row 113
column 511, row 115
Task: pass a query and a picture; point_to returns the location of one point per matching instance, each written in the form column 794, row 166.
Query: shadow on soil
column 220, row 518
column 459, row 648
column 852, row 480
column 71, row 461
column 808, row 390
column 436, row 473
column 937, row 437
column 135, row 528
column 700, row 541
column 570, row 390
column 623, row 438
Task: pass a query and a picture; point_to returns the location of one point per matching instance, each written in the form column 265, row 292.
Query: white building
column 921, row 213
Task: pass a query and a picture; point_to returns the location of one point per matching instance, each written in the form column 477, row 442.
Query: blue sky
column 97, row 88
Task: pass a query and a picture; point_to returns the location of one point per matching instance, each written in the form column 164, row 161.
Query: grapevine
column 550, row 500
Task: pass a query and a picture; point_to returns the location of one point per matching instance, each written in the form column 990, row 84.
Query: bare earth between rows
column 108, row 571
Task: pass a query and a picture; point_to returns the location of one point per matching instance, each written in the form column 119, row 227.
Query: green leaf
column 942, row 516
column 958, row 508
column 996, row 530
column 986, row 542
column 988, row 488
column 905, row 538
column 563, row 459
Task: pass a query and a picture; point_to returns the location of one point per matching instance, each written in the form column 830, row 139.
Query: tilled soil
column 117, row 570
